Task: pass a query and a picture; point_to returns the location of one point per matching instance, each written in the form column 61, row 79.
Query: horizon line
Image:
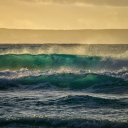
column 65, row 29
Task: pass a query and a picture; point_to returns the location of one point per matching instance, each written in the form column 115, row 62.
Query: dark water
column 85, row 86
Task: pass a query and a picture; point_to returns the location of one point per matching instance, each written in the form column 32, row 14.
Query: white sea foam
column 24, row 72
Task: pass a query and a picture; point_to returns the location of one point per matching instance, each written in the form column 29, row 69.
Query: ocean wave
column 64, row 80
column 86, row 101
column 24, row 72
column 53, row 122
column 56, row 61
column 70, row 102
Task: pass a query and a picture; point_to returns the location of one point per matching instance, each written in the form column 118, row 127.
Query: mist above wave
column 104, row 50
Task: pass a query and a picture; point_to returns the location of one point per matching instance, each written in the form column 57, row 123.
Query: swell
column 71, row 101
column 86, row 81
column 56, row 61
column 86, row 102
column 60, row 122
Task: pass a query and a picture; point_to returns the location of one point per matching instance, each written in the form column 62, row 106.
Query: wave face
column 80, row 80
column 45, row 62
column 49, row 86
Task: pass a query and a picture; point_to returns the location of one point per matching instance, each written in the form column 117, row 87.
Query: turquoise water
column 46, row 62
column 63, row 90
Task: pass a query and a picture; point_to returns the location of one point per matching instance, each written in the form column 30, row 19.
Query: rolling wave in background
column 49, row 86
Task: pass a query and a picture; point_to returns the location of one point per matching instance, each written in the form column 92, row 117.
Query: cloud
column 34, row 14
column 83, row 2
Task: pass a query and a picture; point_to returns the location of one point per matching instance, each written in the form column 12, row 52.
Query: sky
column 64, row 14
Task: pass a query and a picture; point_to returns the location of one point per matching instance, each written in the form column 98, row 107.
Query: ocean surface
column 63, row 86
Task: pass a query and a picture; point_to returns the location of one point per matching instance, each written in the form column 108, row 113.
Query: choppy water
column 60, row 89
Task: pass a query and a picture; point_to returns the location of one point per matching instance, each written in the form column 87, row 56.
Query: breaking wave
column 45, row 62
column 80, row 80
column 76, row 72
